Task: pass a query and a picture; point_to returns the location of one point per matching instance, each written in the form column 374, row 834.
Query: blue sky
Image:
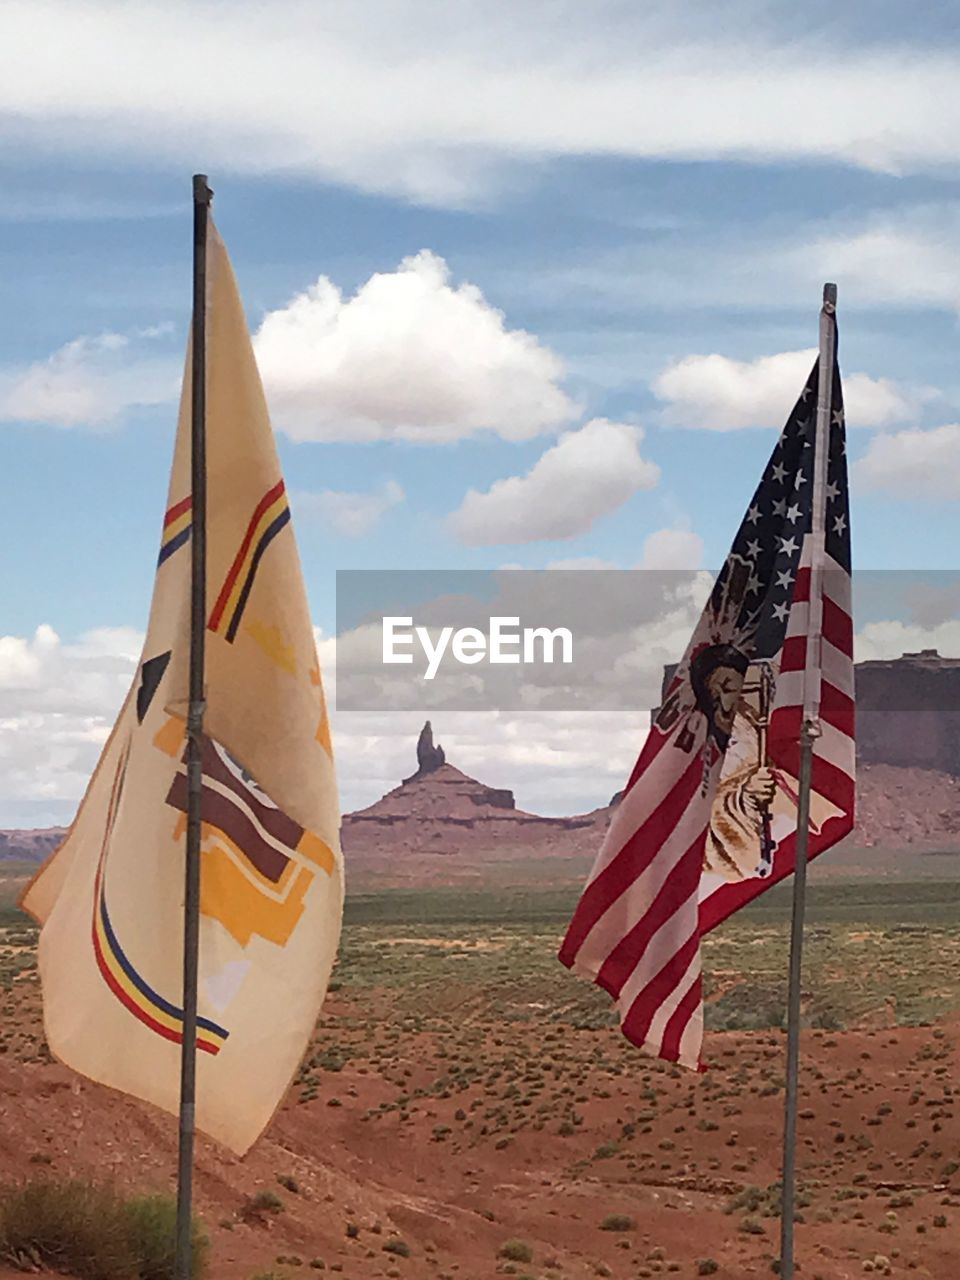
column 633, row 197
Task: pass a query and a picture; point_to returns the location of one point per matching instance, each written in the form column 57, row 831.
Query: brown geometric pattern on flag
column 227, row 805
column 258, row 863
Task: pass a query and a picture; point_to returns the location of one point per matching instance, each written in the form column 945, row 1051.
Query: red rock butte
column 441, row 810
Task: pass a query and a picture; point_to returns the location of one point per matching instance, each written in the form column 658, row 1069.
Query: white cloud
column 89, row 382
column 575, row 564
column 22, row 660
column 410, row 355
column 435, row 102
column 890, row 639
column 672, row 549
column 716, row 393
column 585, row 475
column 351, row 514
column 913, row 464
column 906, row 258
column 57, row 704
column 663, row 549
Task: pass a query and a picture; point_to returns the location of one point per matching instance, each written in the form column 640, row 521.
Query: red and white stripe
column 637, row 928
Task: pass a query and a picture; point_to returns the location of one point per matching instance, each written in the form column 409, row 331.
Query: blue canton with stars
column 766, row 552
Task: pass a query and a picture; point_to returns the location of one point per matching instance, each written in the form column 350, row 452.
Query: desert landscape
column 468, row 1108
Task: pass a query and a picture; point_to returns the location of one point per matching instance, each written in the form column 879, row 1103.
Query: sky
column 531, row 285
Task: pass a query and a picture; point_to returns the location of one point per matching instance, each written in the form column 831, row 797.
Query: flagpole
column 809, row 732
column 198, row 598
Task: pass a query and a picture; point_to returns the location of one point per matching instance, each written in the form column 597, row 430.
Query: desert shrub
column 743, row 1008
column 69, row 1227
column 91, row 1232
column 398, row 1247
column 707, row 1267
column 516, row 1251
column 749, row 1199
column 152, row 1223
column 265, row 1202
column 617, row 1222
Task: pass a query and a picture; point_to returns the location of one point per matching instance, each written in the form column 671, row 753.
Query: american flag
column 708, row 819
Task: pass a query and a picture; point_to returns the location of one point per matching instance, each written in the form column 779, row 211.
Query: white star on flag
column 789, row 545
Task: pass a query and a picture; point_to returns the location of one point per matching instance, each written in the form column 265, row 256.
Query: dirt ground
column 427, row 1160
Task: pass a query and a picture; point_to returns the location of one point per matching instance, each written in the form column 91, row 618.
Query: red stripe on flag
column 801, row 588
column 178, row 509
column 793, row 656
column 653, row 745
column 629, row 862
column 674, row 891
column 831, row 782
column 677, row 1025
column 267, row 500
column 834, row 785
column 837, row 627
column 836, row 708
column 644, row 1008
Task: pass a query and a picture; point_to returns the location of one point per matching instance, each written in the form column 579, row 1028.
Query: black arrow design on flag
column 151, row 673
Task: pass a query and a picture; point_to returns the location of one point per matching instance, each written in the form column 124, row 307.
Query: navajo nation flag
column 110, row 900
column 709, row 816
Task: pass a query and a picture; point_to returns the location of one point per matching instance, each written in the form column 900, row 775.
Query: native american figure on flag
column 708, row 818
column 739, row 842
column 755, row 802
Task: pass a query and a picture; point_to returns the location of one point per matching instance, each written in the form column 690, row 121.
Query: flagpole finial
column 201, row 189
column 830, row 297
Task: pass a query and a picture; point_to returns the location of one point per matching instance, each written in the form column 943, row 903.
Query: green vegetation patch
column 91, row 1232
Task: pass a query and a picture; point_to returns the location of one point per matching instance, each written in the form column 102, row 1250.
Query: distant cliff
column 908, row 711
column 30, row 846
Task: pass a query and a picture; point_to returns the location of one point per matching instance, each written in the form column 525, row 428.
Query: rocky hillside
column 29, row 846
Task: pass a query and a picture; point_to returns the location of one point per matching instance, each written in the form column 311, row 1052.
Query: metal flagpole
column 809, row 732
column 198, row 601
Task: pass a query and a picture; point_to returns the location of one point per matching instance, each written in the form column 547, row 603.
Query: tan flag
column 110, row 900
